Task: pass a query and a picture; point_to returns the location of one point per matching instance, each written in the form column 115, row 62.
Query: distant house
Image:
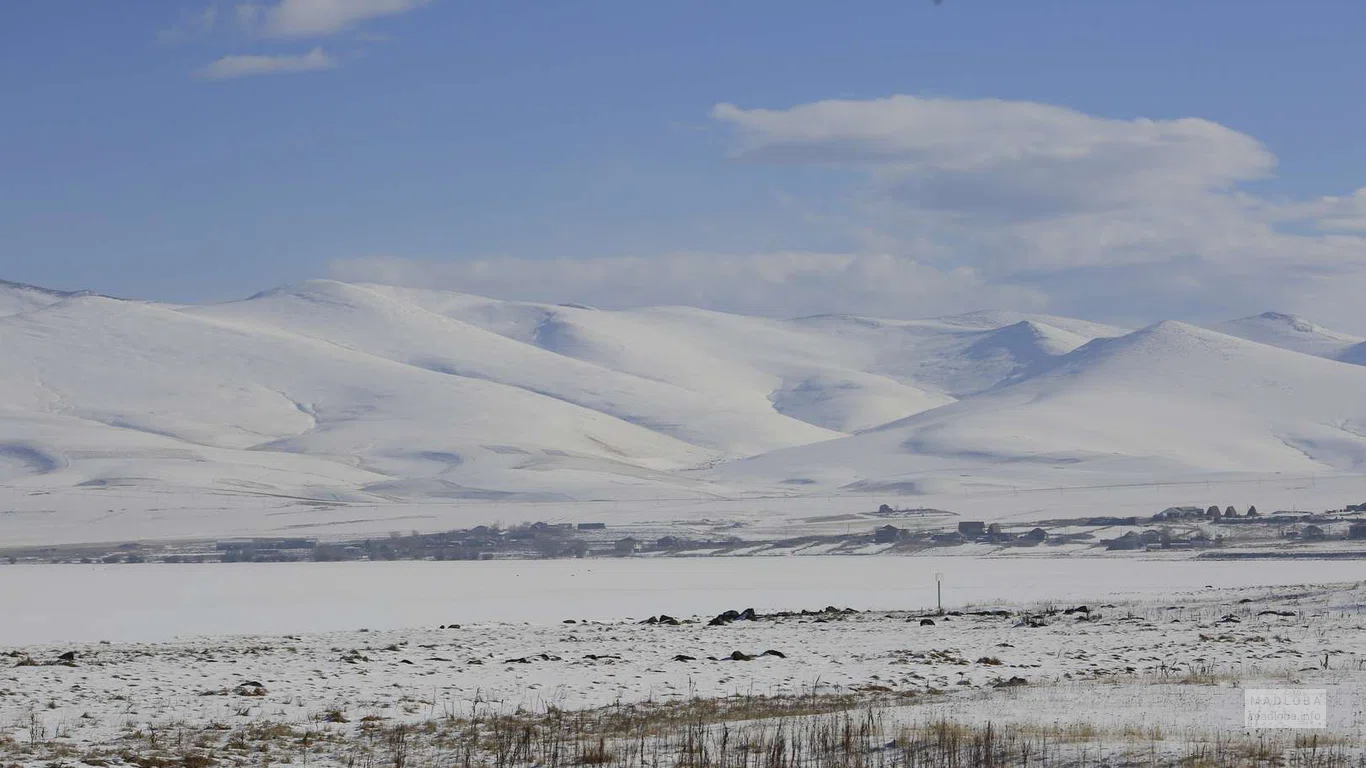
column 888, row 534
column 1357, row 531
column 1128, row 541
column 1312, row 532
column 972, row 528
column 1036, row 535
column 627, row 546
column 948, row 538
column 1150, row 537
column 1105, row 521
column 592, row 526
column 1177, row 513
column 997, row 534
column 669, row 542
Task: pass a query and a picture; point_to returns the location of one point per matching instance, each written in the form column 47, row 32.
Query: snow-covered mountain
column 1291, row 332
column 332, row 391
column 1164, row 403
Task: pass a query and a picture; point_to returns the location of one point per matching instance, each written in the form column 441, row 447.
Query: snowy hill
column 326, row 393
column 18, row 297
column 1167, row 401
column 1291, row 332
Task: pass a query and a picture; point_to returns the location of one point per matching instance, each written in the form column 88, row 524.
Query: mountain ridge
column 377, row 394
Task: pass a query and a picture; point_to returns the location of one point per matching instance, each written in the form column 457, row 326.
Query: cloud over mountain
column 965, row 204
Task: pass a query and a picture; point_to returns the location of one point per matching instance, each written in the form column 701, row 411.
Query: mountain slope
column 128, row 371
column 367, row 394
column 378, row 322
column 1166, row 400
column 18, row 297
column 1290, row 332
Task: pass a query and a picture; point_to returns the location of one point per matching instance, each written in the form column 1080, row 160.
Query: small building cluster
column 967, row 531
column 1206, row 513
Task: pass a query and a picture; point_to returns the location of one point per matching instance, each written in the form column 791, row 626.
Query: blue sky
column 723, row 154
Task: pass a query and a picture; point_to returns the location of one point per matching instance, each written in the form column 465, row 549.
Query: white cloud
column 231, row 67
column 1139, row 217
column 318, row 18
column 1330, row 213
column 1003, row 160
column 776, row 284
column 992, row 204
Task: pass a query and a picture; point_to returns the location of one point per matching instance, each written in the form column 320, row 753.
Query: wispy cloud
column 190, row 25
column 317, row 18
column 989, row 203
column 232, row 67
column 777, row 284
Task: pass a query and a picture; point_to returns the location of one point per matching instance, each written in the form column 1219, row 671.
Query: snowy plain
column 1159, row 665
column 154, row 603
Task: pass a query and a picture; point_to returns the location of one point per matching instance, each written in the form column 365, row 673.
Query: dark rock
column 771, row 652
column 68, row 656
column 569, row 621
column 927, row 622
column 1013, row 682
column 740, row 656
column 668, row 620
column 729, row 616
column 684, row 657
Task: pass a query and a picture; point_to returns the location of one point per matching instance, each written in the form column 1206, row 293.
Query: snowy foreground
column 1157, row 676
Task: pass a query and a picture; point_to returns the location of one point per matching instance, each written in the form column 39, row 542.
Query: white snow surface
column 158, row 603
column 1158, row 651
column 1291, row 332
column 140, row 416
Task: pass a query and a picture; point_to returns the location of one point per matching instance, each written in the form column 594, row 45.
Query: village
column 1210, row 532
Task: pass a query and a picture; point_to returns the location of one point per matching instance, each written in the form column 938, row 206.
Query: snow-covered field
column 331, row 408
column 151, row 603
column 1156, row 657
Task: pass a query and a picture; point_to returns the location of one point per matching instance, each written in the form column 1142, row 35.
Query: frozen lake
column 57, row 603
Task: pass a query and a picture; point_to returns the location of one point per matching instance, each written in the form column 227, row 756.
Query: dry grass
column 813, row 731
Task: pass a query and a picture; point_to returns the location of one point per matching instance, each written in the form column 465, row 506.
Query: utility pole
column 939, row 591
